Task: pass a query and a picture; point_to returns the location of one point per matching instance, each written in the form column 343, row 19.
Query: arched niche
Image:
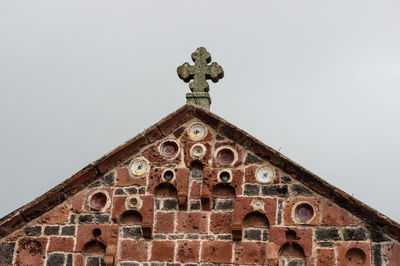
column 166, row 196
column 196, row 169
column 223, row 197
column 255, row 226
column 291, row 254
column 130, row 217
column 94, row 247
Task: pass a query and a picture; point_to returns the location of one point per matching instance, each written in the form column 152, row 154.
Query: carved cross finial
column 200, row 71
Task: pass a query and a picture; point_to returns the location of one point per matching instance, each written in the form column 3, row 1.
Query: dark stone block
column 222, row 204
column 132, row 190
column 174, row 237
column 208, row 237
column 157, row 264
column 275, row 190
column 195, row 205
column 158, row 204
column 377, row 236
column 300, row 190
column 170, row 204
column 130, row 264
column 177, row 133
column 96, row 183
column 69, row 260
column 327, row 234
column 265, row 235
column 33, row 230
column 219, row 137
column 120, row 191
column 252, row 159
column 51, row 230
column 252, row 234
column 160, row 236
column 109, row 180
column 376, row 255
column 6, row 253
column 102, row 219
column 354, row 234
column 296, row 262
column 55, row 259
column 286, row 180
column 251, row 189
column 224, row 237
column 132, row 232
column 142, row 190
column 326, row 244
column 95, row 261
column 192, row 236
column 85, row 219
column 196, row 174
column 68, row 230
column 72, row 219
column 173, row 264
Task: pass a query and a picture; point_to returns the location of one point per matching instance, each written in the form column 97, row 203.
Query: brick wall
column 177, row 202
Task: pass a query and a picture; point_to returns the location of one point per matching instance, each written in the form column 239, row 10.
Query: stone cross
column 200, row 71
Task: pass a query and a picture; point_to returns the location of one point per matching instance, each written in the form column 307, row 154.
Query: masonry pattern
column 197, row 209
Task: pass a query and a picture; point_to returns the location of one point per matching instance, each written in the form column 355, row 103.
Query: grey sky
column 318, row 80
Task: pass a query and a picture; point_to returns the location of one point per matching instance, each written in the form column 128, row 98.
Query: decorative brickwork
column 187, row 206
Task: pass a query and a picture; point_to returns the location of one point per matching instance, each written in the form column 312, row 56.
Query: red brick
column 31, row 251
column 187, row 146
column 216, row 252
column 243, row 207
column 77, row 201
column 109, row 235
column 162, row 251
column 188, row 251
column 343, row 247
column 304, row 237
column 192, row 222
column 58, row 215
column 164, row 222
column 250, row 253
column 124, row 179
column 195, row 190
column 134, row 250
column 313, row 201
column 250, row 174
column 78, row 260
column 334, row 215
column 325, row 257
column 392, row 252
column 61, row 244
column 146, row 211
column 80, row 180
column 221, row 222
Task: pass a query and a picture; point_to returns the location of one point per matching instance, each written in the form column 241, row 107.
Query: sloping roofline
column 166, row 126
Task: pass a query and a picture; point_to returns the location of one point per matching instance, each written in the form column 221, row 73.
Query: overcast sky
column 318, row 80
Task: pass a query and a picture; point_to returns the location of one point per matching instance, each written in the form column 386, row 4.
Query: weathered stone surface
column 327, row 234
column 6, row 253
column 55, row 259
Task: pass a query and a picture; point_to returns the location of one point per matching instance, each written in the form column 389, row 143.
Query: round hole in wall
column 96, row 232
column 225, row 176
column 355, row 256
column 169, row 149
column 304, row 212
column 168, row 175
column 98, row 201
column 225, row 156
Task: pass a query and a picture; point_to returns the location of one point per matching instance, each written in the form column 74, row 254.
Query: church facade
column 195, row 190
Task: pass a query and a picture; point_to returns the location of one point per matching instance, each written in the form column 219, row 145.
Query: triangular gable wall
column 255, row 150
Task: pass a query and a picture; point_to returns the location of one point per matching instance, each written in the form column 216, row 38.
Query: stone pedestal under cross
column 199, row 73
